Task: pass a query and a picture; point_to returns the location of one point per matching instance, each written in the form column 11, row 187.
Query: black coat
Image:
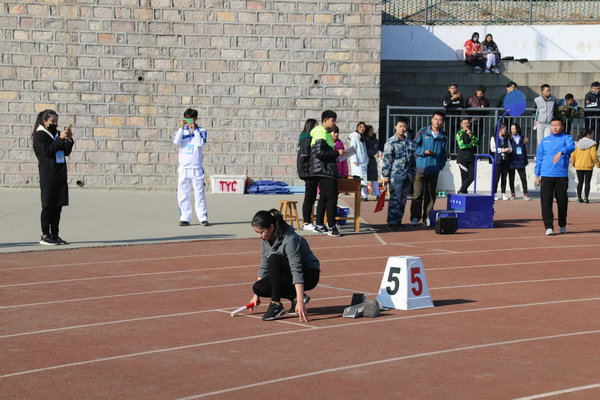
column 53, row 176
column 323, row 160
column 303, row 157
column 372, row 149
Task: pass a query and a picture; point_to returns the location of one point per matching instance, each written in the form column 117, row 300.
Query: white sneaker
column 504, row 196
column 562, row 229
column 487, row 71
column 414, row 221
column 308, row 227
column 495, row 197
column 426, row 222
column 549, row 232
column 477, row 70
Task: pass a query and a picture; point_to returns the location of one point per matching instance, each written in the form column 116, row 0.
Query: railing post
column 530, row 11
column 387, row 122
column 427, row 10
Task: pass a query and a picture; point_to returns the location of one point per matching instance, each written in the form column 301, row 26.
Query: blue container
column 342, row 212
column 470, row 202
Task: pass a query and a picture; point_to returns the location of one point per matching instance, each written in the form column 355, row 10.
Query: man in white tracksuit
column 190, row 138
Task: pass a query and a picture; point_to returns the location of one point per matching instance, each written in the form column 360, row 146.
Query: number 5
column 395, row 280
column 415, row 279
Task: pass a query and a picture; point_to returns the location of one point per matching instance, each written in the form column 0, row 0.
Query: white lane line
column 262, row 336
column 564, row 391
column 391, row 360
column 124, row 321
column 380, row 239
column 517, row 263
column 514, row 238
column 518, row 282
column 343, row 289
column 281, row 321
column 426, row 248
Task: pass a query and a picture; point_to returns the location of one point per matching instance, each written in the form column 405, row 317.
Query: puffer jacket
column 303, row 158
column 323, row 156
column 584, row 157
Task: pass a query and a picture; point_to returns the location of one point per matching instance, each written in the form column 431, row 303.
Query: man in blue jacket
column 551, row 174
column 431, row 148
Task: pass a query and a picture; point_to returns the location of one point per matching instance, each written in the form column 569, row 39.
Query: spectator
column 551, row 173
column 510, row 86
column 467, row 144
column 431, row 148
column 489, row 48
column 545, row 106
column 398, row 170
column 568, row 108
column 453, row 99
column 584, row 158
column 502, row 161
column 473, row 55
column 359, row 160
column 323, row 165
column 339, row 145
column 478, row 100
column 592, row 106
column 372, row 150
column 518, row 161
column 310, row 182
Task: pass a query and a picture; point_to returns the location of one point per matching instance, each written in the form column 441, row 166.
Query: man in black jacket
column 323, row 165
column 592, row 107
column 453, row 99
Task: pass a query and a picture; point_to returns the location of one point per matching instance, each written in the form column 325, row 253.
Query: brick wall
column 123, row 71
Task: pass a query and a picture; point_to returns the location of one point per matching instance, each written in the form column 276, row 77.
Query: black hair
column 328, row 114
column 490, row 35
column 454, row 84
column 481, row 88
column 584, row 132
column 309, row 125
column 440, row 113
column 557, row 119
column 465, row 118
column 190, row 113
column 511, row 83
column 336, row 129
column 359, row 124
column 264, row 219
column 545, row 85
column 569, row 96
column 402, row 119
column 473, row 35
column 516, row 126
column 42, row 116
column 369, row 128
column 595, row 84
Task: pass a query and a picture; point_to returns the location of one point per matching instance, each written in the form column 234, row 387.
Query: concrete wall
column 123, row 71
column 535, row 42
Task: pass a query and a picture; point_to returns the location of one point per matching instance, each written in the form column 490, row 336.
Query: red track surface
column 516, row 315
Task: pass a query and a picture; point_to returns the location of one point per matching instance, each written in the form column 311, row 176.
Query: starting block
column 404, row 285
column 361, row 306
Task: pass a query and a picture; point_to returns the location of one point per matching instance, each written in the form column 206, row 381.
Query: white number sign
column 404, row 285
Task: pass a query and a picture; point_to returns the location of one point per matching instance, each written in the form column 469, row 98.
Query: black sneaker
column 47, row 241
column 579, row 199
column 58, row 240
column 275, row 311
column 184, row 223
column 333, row 232
column 204, row 223
column 292, row 309
column 321, row 229
column 586, row 200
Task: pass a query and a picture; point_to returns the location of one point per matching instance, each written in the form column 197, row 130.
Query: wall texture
column 123, row 71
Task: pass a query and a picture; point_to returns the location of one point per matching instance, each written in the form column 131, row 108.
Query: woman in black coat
column 51, row 147
column 372, row 150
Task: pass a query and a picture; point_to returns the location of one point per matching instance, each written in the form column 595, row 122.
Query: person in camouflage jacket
column 398, row 170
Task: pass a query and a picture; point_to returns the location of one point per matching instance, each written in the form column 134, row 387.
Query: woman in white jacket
column 359, row 160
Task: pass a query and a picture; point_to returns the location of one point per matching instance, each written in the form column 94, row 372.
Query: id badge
column 60, row 157
column 519, row 151
column 189, row 149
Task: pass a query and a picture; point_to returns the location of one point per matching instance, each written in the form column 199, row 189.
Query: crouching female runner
column 288, row 267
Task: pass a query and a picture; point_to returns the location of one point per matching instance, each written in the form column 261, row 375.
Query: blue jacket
column 430, row 165
column 550, row 145
column 518, row 161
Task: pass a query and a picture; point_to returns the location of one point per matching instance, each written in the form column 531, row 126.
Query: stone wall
column 123, row 71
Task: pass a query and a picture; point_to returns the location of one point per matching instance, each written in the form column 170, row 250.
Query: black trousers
column 583, row 176
column 310, row 195
column 327, row 201
column 50, row 219
column 278, row 284
column 467, row 174
column 511, row 179
column 501, row 173
column 554, row 188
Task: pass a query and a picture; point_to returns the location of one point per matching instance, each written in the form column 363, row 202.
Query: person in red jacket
column 473, row 55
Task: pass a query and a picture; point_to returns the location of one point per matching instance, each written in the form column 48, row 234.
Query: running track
column 516, row 317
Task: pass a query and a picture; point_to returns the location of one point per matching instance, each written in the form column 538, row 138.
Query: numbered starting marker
column 404, row 285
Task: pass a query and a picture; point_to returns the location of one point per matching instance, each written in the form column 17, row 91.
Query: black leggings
column 583, row 175
column 310, row 195
column 50, row 219
column 278, row 282
column 502, row 169
column 511, row 179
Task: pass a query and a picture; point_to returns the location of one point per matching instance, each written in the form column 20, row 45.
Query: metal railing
column 451, row 12
column 483, row 124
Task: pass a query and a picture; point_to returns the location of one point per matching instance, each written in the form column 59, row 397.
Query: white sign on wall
column 404, row 285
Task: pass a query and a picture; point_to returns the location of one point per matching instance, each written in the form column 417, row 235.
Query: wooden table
column 351, row 185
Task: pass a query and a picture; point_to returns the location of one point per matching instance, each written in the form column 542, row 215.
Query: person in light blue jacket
column 551, row 174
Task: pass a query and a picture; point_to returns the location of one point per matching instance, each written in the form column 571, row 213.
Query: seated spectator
column 510, row 86
column 489, row 48
column 568, row 108
column 478, row 100
column 453, row 99
column 473, row 55
column 592, row 98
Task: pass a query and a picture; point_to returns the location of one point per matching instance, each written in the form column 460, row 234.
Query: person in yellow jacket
column 583, row 159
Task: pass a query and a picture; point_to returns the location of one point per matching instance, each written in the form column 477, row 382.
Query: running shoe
column 204, row 223
column 275, row 311
column 321, row 229
column 58, row 240
column 549, row 232
column 184, row 223
column 333, row 231
column 562, row 229
column 308, row 227
column 292, row 309
column 47, row 241
column 526, row 197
